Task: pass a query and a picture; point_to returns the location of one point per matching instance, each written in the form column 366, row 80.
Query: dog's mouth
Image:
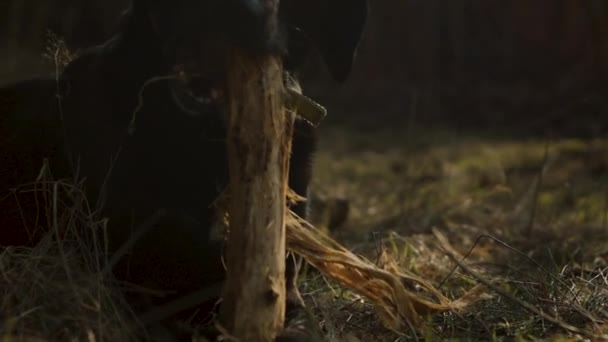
column 196, row 90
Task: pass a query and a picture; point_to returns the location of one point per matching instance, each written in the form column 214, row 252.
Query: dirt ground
column 533, row 213
column 529, row 216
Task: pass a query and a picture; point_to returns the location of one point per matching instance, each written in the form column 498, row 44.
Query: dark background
column 526, row 66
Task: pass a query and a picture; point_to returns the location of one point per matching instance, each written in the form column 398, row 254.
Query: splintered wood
column 399, row 309
column 259, row 145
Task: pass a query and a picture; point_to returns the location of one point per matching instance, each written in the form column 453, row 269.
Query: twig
column 183, row 303
column 139, row 232
column 450, row 252
column 537, row 187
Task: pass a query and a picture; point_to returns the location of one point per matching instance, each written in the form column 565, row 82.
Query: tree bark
column 259, row 145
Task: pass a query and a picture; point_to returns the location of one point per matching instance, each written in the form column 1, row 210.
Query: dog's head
column 195, row 35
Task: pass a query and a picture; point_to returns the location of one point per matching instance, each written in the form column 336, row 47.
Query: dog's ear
column 335, row 28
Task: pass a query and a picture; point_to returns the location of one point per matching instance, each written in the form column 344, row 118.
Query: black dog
column 151, row 145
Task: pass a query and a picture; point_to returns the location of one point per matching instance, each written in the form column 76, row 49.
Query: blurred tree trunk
column 597, row 10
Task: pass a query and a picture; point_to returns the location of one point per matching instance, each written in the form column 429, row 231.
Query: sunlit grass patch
column 548, row 199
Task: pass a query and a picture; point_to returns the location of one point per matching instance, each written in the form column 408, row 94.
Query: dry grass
column 384, row 284
column 537, row 239
column 58, row 290
column 440, row 218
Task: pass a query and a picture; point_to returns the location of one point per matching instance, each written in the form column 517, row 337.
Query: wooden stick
column 259, row 145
